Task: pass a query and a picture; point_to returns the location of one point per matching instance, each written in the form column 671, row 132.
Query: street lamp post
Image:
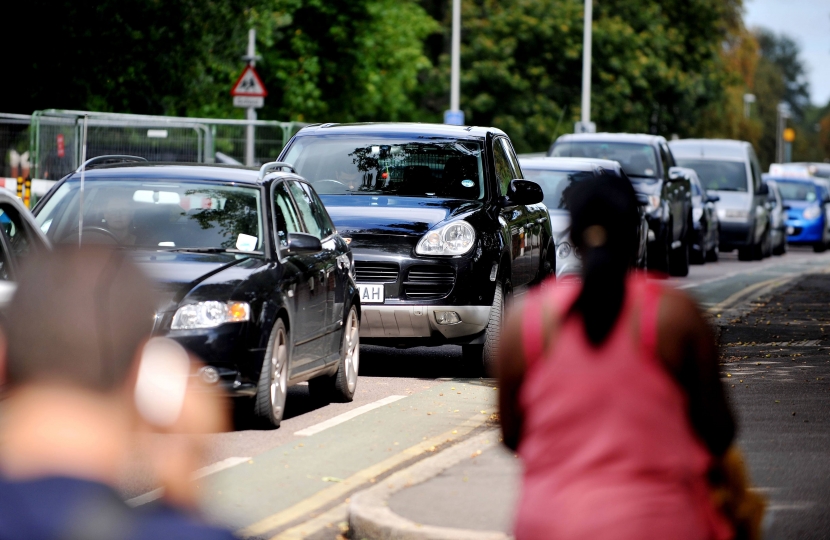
column 749, row 99
column 585, row 125
column 783, row 113
column 455, row 115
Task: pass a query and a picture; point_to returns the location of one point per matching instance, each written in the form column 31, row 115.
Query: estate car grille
column 427, row 282
column 376, row 272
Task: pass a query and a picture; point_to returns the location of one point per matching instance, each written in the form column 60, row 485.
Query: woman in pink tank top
column 613, row 401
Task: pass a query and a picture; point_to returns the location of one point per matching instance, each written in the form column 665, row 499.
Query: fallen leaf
column 728, row 374
column 454, row 431
column 476, row 453
column 777, row 401
column 332, row 479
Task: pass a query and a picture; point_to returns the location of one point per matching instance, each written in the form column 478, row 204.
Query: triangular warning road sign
column 249, row 84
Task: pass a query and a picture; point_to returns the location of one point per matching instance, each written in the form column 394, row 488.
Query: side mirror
column 524, row 192
column 303, row 243
column 786, row 207
column 713, row 198
column 642, row 199
column 763, row 189
column 676, row 173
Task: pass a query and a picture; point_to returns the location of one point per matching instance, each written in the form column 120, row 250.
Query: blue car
column 807, row 202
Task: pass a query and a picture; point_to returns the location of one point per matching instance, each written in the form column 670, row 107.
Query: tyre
column 766, row 246
column 341, row 386
column 697, row 256
column 482, row 358
column 679, row 260
column 746, row 253
column 547, row 264
column 658, row 257
column 713, row 254
column 272, row 388
column 781, row 248
column 820, row 247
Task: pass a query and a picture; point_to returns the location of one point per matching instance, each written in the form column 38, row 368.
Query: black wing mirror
column 763, row 189
column 303, row 243
column 523, row 192
column 642, row 199
column 713, row 198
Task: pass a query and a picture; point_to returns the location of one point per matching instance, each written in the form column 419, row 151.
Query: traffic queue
column 400, row 235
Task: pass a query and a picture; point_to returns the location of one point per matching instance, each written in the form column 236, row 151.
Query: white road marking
column 346, row 416
column 226, row 463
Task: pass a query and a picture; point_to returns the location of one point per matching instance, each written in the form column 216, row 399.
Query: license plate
column 370, row 294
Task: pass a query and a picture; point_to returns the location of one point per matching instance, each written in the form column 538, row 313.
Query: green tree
column 333, row 61
column 655, row 65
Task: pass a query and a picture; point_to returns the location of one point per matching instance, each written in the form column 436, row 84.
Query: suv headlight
column 564, row 250
column 812, row 212
column 210, row 314
column 456, row 238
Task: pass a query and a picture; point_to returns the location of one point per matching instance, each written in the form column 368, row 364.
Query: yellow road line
column 341, row 489
column 747, row 291
column 304, row 530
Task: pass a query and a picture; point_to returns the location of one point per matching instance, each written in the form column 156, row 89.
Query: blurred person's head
column 77, row 319
column 604, row 221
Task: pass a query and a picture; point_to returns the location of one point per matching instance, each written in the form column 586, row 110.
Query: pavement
column 776, row 366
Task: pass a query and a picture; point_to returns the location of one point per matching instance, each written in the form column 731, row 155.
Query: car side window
column 305, row 209
column 511, row 155
column 285, row 215
column 664, row 158
column 756, row 171
column 319, row 210
column 504, row 172
column 19, row 241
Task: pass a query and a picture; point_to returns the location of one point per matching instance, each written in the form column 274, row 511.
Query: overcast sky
column 808, row 23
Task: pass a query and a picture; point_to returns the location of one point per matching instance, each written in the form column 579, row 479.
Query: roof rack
column 96, row 159
column 274, row 165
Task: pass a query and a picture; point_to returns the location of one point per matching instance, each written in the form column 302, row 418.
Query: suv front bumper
column 418, row 321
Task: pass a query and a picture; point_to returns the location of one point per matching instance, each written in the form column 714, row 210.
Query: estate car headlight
column 564, row 250
column 653, row 203
column 812, row 212
column 210, row 314
column 455, row 238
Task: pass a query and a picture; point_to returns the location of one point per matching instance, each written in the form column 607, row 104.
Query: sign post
column 455, row 116
column 249, row 93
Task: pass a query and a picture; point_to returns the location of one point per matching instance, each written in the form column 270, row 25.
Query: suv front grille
column 428, row 282
column 376, row 272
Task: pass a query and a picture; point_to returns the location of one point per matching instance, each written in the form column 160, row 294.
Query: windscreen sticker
column 468, row 183
column 649, row 172
column 246, row 242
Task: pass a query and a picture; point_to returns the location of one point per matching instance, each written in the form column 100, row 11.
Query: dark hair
column 609, row 203
column 78, row 318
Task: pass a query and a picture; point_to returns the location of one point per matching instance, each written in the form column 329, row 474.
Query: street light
column 783, row 113
column 585, row 125
column 749, row 99
column 455, row 115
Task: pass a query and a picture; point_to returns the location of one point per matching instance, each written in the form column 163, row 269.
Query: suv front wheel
column 483, row 357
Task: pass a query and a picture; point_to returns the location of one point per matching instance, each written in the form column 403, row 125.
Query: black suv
column 441, row 223
column 647, row 161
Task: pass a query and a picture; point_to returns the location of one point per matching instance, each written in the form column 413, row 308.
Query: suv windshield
column 797, row 191
column 167, row 214
column 718, row 175
column 555, row 184
column 639, row 161
column 377, row 165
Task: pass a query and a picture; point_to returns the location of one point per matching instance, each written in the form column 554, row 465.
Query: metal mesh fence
column 56, row 139
column 14, row 137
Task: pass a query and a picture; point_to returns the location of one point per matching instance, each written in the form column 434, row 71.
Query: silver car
column 554, row 175
column 730, row 170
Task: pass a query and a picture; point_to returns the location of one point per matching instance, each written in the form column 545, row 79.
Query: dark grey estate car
column 441, row 223
column 647, row 161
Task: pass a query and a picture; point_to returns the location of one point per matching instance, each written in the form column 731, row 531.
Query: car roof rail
column 273, row 166
column 96, row 159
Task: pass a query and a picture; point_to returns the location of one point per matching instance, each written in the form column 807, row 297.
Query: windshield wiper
column 211, row 250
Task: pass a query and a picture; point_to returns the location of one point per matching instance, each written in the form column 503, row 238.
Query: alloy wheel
column 352, row 352
column 279, row 373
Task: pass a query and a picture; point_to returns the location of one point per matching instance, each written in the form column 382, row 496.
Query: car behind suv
column 442, row 225
column 647, row 161
column 730, row 170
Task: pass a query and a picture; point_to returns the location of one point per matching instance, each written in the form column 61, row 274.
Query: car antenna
column 81, row 197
